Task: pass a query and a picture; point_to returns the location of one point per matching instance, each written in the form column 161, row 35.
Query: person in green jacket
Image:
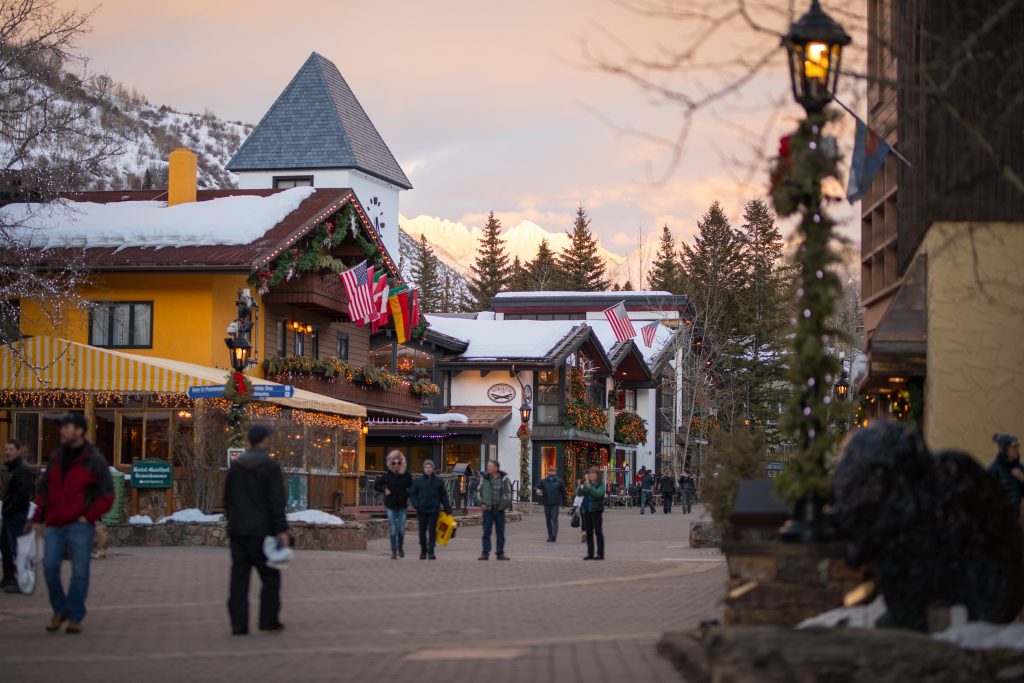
column 592, row 489
column 495, row 497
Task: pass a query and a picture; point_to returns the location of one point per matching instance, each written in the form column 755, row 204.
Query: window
column 547, row 397
column 300, row 343
column 122, row 325
column 286, row 182
column 314, row 343
column 627, row 400
column 282, row 338
column 342, row 346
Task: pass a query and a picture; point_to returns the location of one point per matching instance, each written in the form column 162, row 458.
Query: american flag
column 619, row 320
column 648, row 331
column 356, row 281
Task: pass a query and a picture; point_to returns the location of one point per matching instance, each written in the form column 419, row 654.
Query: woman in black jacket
column 1008, row 471
column 429, row 496
column 395, row 484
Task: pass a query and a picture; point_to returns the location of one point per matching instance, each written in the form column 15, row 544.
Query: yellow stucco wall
column 975, row 384
column 191, row 312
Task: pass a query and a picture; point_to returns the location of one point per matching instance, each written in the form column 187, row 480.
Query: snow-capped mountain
column 407, row 246
column 455, row 243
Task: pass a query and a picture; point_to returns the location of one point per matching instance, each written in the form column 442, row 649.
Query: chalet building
column 941, row 238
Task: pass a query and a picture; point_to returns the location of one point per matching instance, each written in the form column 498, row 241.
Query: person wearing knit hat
column 1008, row 471
column 429, row 495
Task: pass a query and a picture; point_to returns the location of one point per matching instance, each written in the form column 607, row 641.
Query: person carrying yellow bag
column 445, row 528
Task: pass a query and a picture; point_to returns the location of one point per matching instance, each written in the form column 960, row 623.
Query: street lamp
column 524, row 413
column 842, row 388
column 815, row 45
column 525, row 486
column 239, row 349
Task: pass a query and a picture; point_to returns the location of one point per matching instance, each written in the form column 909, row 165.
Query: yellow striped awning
column 42, row 363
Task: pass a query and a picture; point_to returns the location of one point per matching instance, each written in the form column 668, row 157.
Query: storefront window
column 289, row 447
column 321, row 449
column 548, row 459
column 460, row 452
column 26, row 430
column 413, row 364
column 547, row 397
column 132, row 425
column 106, row 430
column 158, row 435
column 415, row 455
column 348, row 444
column 375, row 458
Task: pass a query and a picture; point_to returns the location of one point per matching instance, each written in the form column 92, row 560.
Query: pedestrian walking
column 593, row 490
column 254, row 504
column 429, row 497
column 395, row 484
column 552, row 493
column 647, row 492
column 668, row 492
column 495, row 497
column 17, row 496
column 74, row 492
column 688, row 487
column 1008, row 471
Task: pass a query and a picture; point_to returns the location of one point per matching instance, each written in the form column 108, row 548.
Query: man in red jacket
column 75, row 491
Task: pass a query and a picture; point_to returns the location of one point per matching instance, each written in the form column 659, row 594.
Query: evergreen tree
column 615, row 287
column 628, row 287
column 582, row 268
column 765, row 301
column 449, row 296
column 425, row 275
column 666, row 271
column 520, row 280
column 491, row 271
column 545, row 274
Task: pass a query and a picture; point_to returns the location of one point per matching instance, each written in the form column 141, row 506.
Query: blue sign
column 262, row 391
column 215, row 391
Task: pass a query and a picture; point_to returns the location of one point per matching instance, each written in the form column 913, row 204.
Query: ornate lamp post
column 814, row 47
column 842, row 387
column 239, row 352
column 525, row 485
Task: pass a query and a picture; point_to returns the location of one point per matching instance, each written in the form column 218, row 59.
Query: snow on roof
column 495, row 339
column 443, row 418
column 582, row 295
column 234, row 220
column 603, row 330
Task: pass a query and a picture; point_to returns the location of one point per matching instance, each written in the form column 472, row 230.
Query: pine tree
column 628, row 287
column 520, row 280
column 425, row 275
column 545, row 274
column 583, row 269
column 765, row 300
column 491, row 271
column 666, row 271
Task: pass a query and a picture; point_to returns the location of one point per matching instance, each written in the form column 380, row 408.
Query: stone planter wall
column 307, row 536
column 378, row 528
column 785, row 583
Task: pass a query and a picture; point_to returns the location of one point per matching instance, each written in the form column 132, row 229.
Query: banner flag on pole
column 619, row 319
column 356, row 281
column 648, row 331
column 869, row 152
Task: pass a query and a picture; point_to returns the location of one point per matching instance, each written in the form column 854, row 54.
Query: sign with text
column 260, row 392
column 233, row 454
column 215, row 391
column 501, row 393
column 152, row 473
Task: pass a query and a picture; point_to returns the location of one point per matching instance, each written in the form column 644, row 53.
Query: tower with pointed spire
column 316, row 133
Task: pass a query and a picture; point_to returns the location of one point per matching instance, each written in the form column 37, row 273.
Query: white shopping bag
column 278, row 554
column 27, row 561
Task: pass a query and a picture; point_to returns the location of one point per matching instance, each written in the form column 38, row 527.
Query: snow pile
column 140, row 520
column 441, row 418
column 318, row 517
column 980, row 635
column 191, row 516
column 240, row 219
column 860, row 616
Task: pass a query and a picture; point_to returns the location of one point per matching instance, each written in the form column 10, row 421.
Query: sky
column 487, row 105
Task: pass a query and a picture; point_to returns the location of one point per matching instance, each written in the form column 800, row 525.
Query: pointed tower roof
column 317, row 122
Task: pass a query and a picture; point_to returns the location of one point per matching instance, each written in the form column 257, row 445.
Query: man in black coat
column 17, row 496
column 429, row 496
column 668, row 492
column 688, row 488
column 254, row 503
column 552, row 493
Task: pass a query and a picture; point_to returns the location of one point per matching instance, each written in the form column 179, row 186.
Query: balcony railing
column 389, row 401
column 312, row 291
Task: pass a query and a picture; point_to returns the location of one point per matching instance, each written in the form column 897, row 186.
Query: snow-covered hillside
column 407, row 251
column 456, row 243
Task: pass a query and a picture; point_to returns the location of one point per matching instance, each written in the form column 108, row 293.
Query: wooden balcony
column 321, row 292
column 397, row 402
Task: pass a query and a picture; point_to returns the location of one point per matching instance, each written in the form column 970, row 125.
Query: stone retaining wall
column 378, row 528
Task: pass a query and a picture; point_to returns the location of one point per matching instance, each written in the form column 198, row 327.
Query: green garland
column 310, row 253
column 332, row 368
column 231, row 392
column 525, row 485
column 801, row 167
column 630, row 428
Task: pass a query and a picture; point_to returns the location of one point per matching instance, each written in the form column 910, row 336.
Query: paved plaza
column 158, row 614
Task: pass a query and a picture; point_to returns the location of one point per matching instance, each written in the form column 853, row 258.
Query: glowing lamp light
column 842, row 387
column 815, row 45
column 524, row 412
column 239, row 350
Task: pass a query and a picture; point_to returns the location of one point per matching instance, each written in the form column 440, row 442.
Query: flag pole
column 892, row 148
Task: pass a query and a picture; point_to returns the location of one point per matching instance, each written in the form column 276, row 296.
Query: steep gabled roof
column 317, row 122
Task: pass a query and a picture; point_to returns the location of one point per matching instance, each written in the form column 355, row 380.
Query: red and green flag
column 405, row 311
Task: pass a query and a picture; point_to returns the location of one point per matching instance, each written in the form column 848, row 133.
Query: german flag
column 405, row 310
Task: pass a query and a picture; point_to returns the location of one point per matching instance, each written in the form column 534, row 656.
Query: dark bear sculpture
column 936, row 529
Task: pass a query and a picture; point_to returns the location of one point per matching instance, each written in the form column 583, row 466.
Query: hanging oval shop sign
column 501, row 393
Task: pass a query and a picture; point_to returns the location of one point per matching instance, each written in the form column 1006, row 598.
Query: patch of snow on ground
column 441, row 418
column 861, row 616
column 315, row 517
column 980, row 635
column 140, row 520
column 239, row 219
column 191, row 515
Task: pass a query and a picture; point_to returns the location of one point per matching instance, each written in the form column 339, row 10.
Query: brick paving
column 158, row 614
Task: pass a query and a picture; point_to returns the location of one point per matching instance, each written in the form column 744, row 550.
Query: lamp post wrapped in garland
column 814, row 46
